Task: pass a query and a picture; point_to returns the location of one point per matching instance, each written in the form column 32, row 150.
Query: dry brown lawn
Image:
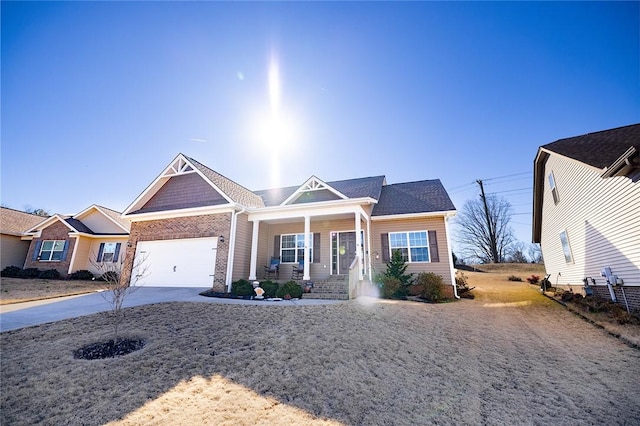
column 17, row 290
column 510, row 356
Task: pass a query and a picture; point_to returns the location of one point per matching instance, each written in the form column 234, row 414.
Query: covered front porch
column 329, row 242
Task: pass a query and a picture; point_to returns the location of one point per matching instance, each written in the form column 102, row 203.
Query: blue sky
column 98, row 97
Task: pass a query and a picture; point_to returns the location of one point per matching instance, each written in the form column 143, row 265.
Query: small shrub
column 49, row 274
column 462, row 286
column 533, row 279
column 431, row 285
column 270, row 288
column 290, row 288
column 82, row 274
column 29, row 273
column 514, row 278
column 10, row 272
column 242, row 288
column 392, row 288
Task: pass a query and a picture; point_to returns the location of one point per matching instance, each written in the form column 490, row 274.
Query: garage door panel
column 178, row 263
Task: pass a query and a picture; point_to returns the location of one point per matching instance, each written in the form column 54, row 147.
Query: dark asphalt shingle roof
column 352, row 188
column 79, row 226
column 423, row 196
column 598, row 149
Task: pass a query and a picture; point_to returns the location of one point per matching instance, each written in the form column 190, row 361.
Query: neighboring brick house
column 84, row 241
column 13, row 223
column 195, row 227
column 586, row 211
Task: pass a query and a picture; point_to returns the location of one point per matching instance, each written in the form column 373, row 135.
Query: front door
column 346, row 251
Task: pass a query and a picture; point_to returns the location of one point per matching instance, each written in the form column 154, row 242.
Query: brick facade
column 56, row 231
column 179, row 228
column 632, row 294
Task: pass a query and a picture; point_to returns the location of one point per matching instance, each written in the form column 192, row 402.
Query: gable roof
column 425, row 196
column 75, row 224
column 598, row 149
column 615, row 152
column 351, row 188
column 16, row 222
column 110, row 214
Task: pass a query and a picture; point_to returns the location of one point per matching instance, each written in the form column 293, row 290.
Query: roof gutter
column 620, row 164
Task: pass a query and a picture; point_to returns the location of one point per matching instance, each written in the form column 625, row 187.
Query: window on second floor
column 554, row 189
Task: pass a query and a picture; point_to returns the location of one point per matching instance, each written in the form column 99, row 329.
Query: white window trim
column 409, row 246
column 553, row 187
column 105, row 252
column 40, row 259
column 296, row 248
column 566, row 236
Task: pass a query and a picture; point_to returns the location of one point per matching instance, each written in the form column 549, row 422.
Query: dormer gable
column 312, row 191
column 102, row 220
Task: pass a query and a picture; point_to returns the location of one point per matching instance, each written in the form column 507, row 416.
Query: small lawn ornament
column 259, row 292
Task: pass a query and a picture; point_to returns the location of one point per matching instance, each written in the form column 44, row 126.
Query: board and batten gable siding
column 442, row 267
column 602, row 220
column 242, row 255
column 14, row 251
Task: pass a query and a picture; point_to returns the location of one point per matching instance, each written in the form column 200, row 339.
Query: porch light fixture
column 221, row 239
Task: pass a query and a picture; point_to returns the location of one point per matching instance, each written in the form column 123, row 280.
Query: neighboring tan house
column 13, row 223
column 586, row 210
column 84, row 241
column 197, row 228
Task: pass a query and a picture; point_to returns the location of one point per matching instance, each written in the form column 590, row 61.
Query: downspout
column 232, row 247
column 450, row 260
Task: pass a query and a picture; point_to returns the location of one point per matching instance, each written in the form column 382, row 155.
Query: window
column 554, row 189
column 414, row 246
column 51, row 250
column 292, row 248
column 108, row 252
column 566, row 248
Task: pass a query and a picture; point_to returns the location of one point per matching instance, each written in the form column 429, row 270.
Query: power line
column 509, row 190
column 506, row 176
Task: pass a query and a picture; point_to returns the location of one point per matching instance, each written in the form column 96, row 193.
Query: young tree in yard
column 117, row 289
column 480, row 228
column 396, row 267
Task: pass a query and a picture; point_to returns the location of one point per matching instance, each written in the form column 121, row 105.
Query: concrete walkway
column 27, row 314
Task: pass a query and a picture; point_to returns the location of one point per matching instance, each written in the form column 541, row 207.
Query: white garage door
column 177, row 263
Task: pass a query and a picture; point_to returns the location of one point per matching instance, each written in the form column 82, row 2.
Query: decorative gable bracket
column 179, row 167
column 313, row 184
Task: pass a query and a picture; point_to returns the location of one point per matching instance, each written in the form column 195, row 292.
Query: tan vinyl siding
column 319, row 270
column 442, row 268
column 242, row 256
column 13, row 251
column 602, row 220
column 98, row 223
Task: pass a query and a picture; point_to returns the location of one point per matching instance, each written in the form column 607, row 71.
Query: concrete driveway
column 27, row 314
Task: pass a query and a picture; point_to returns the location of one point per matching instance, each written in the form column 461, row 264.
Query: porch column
column 307, row 229
column 254, row 250
column 359, row 245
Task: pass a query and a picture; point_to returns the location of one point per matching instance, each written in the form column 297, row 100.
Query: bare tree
column 535, row 253
column 38, row 212
column 117, row 288
column 517, row 253
column 474, row 235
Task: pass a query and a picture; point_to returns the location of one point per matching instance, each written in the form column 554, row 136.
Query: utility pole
column 492, row 235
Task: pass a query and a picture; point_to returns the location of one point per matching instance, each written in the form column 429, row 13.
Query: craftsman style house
column 586, row 211
column 195, row 227
column 80, row 242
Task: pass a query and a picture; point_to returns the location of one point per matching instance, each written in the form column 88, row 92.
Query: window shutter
column 276, row 246
column 316, row 247
column 117, row 252
column 385, row 247
column 65, row 250
column 433, row 247
column 36, row 250
column 100, row 250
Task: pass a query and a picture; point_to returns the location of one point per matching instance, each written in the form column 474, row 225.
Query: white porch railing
column 354, row 277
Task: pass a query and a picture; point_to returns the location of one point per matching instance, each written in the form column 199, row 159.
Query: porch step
column 335, row 287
